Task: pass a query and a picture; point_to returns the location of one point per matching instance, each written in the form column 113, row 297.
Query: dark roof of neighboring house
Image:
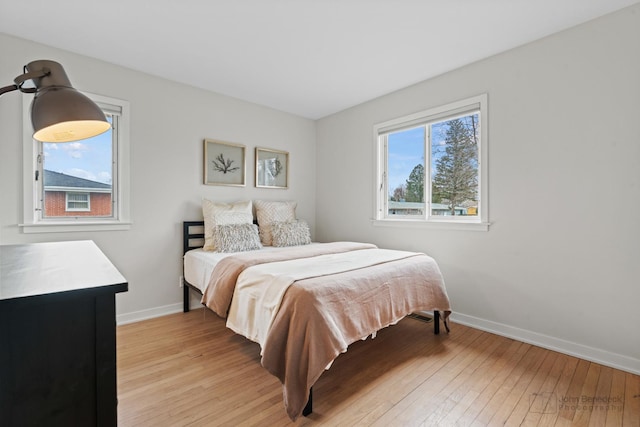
column 57, row 179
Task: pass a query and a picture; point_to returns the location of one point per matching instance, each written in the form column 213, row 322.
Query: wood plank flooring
column 189, row 370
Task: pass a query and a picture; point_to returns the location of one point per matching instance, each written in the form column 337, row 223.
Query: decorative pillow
column 293, row 233
column 223, row 214
column 269, row 212
column 236, row 238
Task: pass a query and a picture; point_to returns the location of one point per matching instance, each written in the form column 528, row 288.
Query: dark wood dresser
column 58, row 335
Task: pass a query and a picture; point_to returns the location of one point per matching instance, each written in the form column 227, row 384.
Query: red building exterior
column 67, row 195
column 56, row 205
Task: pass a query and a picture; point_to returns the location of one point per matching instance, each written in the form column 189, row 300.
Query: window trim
column 32, row 221
column 480, row 223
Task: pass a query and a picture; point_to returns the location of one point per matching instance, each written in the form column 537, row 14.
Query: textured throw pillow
column 236, row 238
column 294, row 233
column 268, row 212
column 223, row 214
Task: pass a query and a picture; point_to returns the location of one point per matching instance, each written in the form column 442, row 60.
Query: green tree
column 435, row 196
column 415, row 185
column 456, row 175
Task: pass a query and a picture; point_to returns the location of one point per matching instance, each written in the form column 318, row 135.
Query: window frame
column 424, row 118
column 33, row 218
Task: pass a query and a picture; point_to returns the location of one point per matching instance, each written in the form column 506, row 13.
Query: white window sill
column 68, row 226
column 433, row 224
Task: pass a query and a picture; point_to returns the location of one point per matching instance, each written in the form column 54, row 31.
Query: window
column 78, row 202
column 81, row 185
column 432, row 167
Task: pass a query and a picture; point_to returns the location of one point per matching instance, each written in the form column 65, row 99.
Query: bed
column 332, row 295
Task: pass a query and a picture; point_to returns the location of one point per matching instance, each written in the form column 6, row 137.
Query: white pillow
column 236, row 238
column 294, row 233
column 223, row 214
column 269, row 212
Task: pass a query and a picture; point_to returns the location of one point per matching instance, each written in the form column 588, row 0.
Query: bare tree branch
column 224, row 165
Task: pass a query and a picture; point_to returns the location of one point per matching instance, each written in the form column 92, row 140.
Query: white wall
column 556, row 268
column 168, row 123
column 560, row 265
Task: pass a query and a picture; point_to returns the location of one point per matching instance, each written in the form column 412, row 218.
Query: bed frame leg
column 185, row 298
column 308, row 409
column 436, row 322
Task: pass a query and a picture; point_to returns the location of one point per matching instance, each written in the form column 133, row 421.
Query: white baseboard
column 136, row 316
column 151, row 313
column 591, row 354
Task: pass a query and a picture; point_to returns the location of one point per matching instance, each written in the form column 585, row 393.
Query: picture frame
column 224, row 163
column 272, row 168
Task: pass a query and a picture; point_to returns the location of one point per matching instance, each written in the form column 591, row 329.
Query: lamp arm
column 9, row 88
column 19, row 81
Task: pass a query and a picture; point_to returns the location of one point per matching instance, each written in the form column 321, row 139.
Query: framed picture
column 224, row 163
column 272, row 168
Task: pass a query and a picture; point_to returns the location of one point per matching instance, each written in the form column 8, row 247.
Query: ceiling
column 311, row 58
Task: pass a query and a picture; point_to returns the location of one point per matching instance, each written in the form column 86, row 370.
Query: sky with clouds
column 406, row 150
column 89, row 158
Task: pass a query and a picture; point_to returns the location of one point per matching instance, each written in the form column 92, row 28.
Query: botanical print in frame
column 272, row 168
column 224, row 163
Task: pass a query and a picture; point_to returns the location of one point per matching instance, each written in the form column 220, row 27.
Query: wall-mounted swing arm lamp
column 59, row 113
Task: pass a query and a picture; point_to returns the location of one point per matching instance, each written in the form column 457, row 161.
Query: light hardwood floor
column 189, row 370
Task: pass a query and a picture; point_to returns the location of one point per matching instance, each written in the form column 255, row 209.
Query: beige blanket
column 319, row 317
column 259, row 289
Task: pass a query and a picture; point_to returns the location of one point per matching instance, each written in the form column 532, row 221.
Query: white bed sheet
column 199, row 264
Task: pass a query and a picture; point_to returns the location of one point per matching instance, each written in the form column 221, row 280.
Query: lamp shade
column 59, row 113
